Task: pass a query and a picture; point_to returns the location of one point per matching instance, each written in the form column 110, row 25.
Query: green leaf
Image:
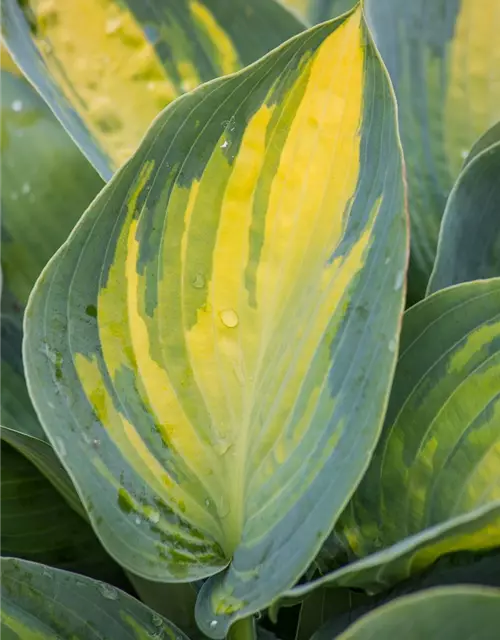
column 314, row 11
column 432, row 486
column 108, row 68
column 38, row 525
column 457, row 568
column 443, row 57
column 41, row 173
column 469, row 240
column 226, row 323
column 443, row 613
column 40, row 602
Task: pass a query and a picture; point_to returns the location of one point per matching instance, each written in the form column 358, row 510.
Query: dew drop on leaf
column 400, row 277
column 108, row 592
column 17, row 106
column 198, row 281
column 59, row 447
column 229, row 318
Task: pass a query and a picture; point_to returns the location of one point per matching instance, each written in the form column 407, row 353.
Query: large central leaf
column 210, row 352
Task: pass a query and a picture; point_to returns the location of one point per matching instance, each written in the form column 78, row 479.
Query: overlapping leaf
column 469, row 241
column 445, row 613
column 38, row 525
column 218, row 336
column 443, row 57
column 433, row 483
column 108, row 68
column 42, row 173
column 45, row 603
column 345, row 606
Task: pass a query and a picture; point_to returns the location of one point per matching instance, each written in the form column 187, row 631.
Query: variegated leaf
column 217, row 337
column 107, row 68
column 43, row 603
column 443, row 57
column 433, row 485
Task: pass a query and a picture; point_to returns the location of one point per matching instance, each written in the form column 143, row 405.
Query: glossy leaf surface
column 215, row 322
column 46, row 186
column 445, row 613
column 108, row 68
column 443, row 57
column 45, row 603
column 469, row 241
column 433, row 484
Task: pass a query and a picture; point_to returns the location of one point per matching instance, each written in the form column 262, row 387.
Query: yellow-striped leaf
column 443, row 57
column 218, row 336
column 469, row 240
column 107, row 68
column 445, row 613
column 433, row 485
column 43, row 603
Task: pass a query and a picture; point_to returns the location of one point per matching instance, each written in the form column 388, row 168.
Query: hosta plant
column 250, row 319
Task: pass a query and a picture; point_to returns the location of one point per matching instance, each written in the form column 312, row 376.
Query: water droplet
column 108, row 592
column 151, row 33
column 224, row 145
column 96, row 443
column 400, row 278
column 17, row 106
column 26, row 188
column 91, row 310
column 157, row 621
column 208, row 502
column 222, row 446
column 213, row 624
column 392, row 346
column 387, row 260
column 229, row 318
column 112, row 25
column 137, row 520
column 59, row 447
column 154, row 516
column 464, row 153
column 198, row 281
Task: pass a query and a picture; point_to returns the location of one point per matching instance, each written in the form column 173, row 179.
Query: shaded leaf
column 457, row 568
column 107, row 69
column 443, row 57
column 432, row 486
column 469, row 240
column 38, row 525
column 219, row 315
column 442, row 613
column 46, row 186
column 42, row 602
